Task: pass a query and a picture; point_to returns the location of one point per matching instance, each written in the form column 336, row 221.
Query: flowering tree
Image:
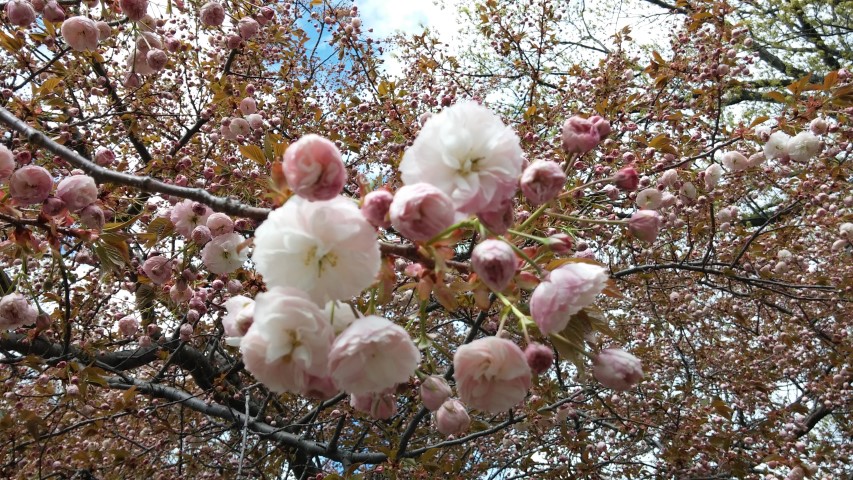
column 234, row 246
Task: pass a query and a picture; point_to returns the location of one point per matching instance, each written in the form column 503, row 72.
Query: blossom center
column 322, row 261
column 470, row 165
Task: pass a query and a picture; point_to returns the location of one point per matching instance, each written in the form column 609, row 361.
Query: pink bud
column 104, row 157
column 77, row 191
column 134, row 9
column 818, row 126
column 645, row 224
column 500, row 219
column 156, row 59
column 375, row 208
column 53, row 207
column 16, row 311
column 539, row 357
column 239, row 126
column 248, row 106
column 255, row 121
column 186, row 332
column 580, row 135
column 248, row 27
column 314, row 169
column 30, row 185
column 20, row 13
column 72, row 390
column 180, row 293
column 627, row 179
column 542, row 181
column 495, row 263
column 52, row 12
column 601, row 125
column 617, row 369
column 128, row 326
column 7, row 163
column 421, row 211
column 80, row 33
column 219, row 224
column 212, row 14
column 92, row 217
column 380, row 406
column 158, row 268
column 104, row 30
column 452, row 418
column 434, row 391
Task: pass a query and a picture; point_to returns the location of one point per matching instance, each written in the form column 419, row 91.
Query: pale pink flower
column 735, row 161
column 627, row 179
column 128, row 326
column 134, row 9
column 92, row 217
column 380, row 406
column 80, row 33
column 104, row 30
column 376, row 206
column 495, row 263
column 180, row 293
column 287, row 347
column 617, row 369
column 187, row 215
column 649, row 199
column 325, row 248
column 467, row 152
column 491, row 374
column 542, row 181
column 818, row 126
column 452, row 418
column 341, row 315
column 803, row 147
column 320, row 388
column 668, row 178
column 256, row 122
column 16, row 311
column 713, row 174
column 77, row 191
column 223, row 254
column 314, row 169
column 421, row 211
column 539, row 357
column 104, row 157
column 212, row 14
column 249, row 106
column 566, row 291
column 240, row 126
column 777, row 145
column 645, row 224
column 236, row 322
column 185, row 332
column 500, row 218
column 371, row 355
column 219, row 224
column 434, row 391
column 755, row 160
column 20, row 13
column 7, row 163
column 846, row 230
column 30, row 185
column 248, row 27
column 52, row 12
column 580, row 135
column 158, row 268
column 201, row 235
column 156, row 59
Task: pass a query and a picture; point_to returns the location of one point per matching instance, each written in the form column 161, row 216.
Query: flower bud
column 580, row 135
column 542, row 181
column 7, row 163
column 380, row 406
column 617, row 369
column 77, row 191
column 158, row 268
column 20, row 13
column 434, row 392
column 248, row 27
column 421, row 211
column 645, row 224
column 128, row 326
column 104, row 157
column 219, row 224
column 156, row 59
column 134, row 9
column 500, row 219
column 452, row 418
column 30, row 185
column 539, row 358
column 92, row 217
column 314, row 169
column 53, row 207
column 180, row 293
column 375, row 208
column 80, row 33
column 212, row 14
column 53, row 12
column 495, row 263
column 627, row 179
column 818, row 126
column 186, row 332
column 601, row 125
column 104, row 30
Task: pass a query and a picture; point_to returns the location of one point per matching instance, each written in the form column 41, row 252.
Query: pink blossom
column 30, row 185
column 500, row 218
column 256, row 122
column 220, row 224
column 158, row 268
column 77, row 191
column 452, row 418
column 248, row 106
column 617, row 369
column 52, row 12
column 92, row 217
column 104, row 157
column 434, row 391
column 491, row 374
column 803, row 146
column 201, row 235
column 371, row 355
column 649, row 198
column 421, row 211
column 627, row 179
column 580, row 135
column 180, row 293
column 248, row 27
column 104, row 30
column 7, row 163
column 601, row 125
column 668, row 178
column 380, row 406
column 80, row 33
column 645, row 224
column 212, row 14
column 16, row 311
column 128, row 326
column 156, row 59
column 134, row 9
column 818, row 126
column 240, row 126
column 542, row 181
column 712, row 175
column 187, row 215
column 241, row 311
column 223, row 254
column 566, row 291
column 735, row 161
column 539, row 358
column 314, row 169
column 376, row 206
column 495, row 263
column 53, row 207
column 777, row 145
column 186, row 332
column 20, row 13
column 320, row 388
column 287, row 346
